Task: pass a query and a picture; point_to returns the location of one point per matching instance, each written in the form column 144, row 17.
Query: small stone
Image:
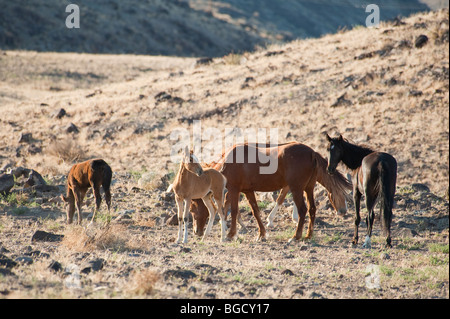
column 25, row 137
column 287, row 272
column 41, row 235
column 6, row 183
column 71, row 128
column 24, row 260
column 58, row 113
column 421, row 40
column 55, row 266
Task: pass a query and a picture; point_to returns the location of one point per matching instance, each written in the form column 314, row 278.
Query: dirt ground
column 372, row 85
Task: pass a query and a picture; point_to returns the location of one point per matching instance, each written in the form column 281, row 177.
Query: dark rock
column 25, row 260
column 192, row 289
column 421, row 40
column 71, row 128
column 41, row 235
column 208, row 268
column 420, row 187
column 60, row 113
column 7, row 262
column 273, row 53
column 203, row 61
column 415, row 93
column 25, row 138
column 287, row 272
column 6, row 272
column 6, row 183
column 55, row 266
column 179, row 273
column 315, row 295
column 299, row 291
column 238, row 293
column 93, row 265
column 341, row 101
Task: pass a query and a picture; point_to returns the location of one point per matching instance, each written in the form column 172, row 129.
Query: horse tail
column 385, row 196
column 336, row 183
column 104, row 170
column 107, row 177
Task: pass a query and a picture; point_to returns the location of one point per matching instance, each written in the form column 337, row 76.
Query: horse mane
column 354, row 154
column 336, row 184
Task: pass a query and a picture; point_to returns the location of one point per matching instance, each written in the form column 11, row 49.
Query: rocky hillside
column 179, row 27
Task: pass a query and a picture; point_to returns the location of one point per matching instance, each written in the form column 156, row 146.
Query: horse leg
column 233, row 197
column 295, row 214
column 78, row 195
column 107, row 197
column 278, row 203
column 241, row 222
column 255, row 211
column 98, row 200
column 311, row 210
column 357, row 201
column 187, row 205
column 218, row 192
column 370, row 203
column 298, row 200
column 71, row 206
column 180, row 210
column 212, row 214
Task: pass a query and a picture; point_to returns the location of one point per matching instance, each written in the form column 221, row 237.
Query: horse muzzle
column 199, row 172
column 198, row 232
column 331, row 170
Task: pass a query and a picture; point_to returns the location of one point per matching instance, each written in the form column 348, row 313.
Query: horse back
column 373, row 160
column 90, row 172
column 378, row 165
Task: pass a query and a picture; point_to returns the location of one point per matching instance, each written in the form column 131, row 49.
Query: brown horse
column 194, row 182
column 92, row 173
column 297, row 167
column 374, row 175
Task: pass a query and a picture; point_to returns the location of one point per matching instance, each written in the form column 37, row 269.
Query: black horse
column 374, row 175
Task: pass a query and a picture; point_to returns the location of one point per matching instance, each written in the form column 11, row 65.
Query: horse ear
column 328, row 137
column 340, row 137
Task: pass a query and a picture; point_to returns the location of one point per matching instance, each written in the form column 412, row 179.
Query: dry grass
column 93, row 237
column 66, row 150
column 143, row 282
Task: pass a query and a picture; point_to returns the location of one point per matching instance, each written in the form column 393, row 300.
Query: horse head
column 200, row 216
column 191, row 163
column 335, row 153
column 339, row 203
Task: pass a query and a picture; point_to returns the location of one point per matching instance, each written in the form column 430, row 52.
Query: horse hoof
column 367, row 243
column 290, row 241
